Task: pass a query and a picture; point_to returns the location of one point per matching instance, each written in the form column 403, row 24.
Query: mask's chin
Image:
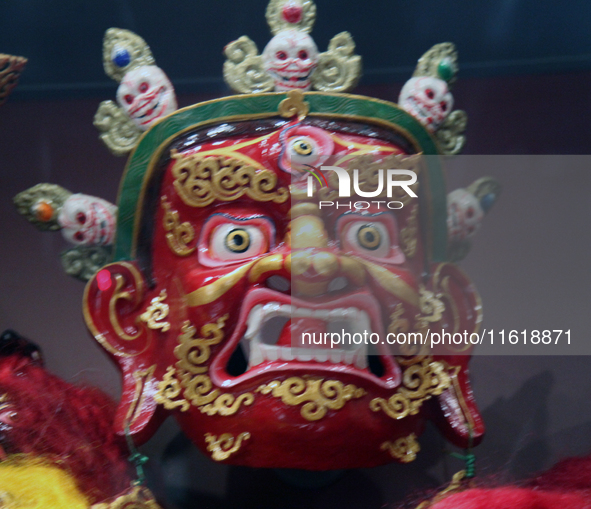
column 277, row 334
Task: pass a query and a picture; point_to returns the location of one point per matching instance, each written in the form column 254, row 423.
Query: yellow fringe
column 31, row 484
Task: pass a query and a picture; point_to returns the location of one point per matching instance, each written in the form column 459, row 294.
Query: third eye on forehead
column 302, row 147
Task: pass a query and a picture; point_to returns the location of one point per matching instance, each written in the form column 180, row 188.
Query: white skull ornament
column 428, row 99
column 87, row 221
column 290, row 58
column 464, row 215
column 146, row 95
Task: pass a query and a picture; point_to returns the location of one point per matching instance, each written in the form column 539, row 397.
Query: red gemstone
column 103, row 279
column 292, row 12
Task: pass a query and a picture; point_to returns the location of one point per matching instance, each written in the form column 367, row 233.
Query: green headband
column 158, row 138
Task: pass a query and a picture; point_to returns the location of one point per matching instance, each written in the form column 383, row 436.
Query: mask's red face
column 235, row 316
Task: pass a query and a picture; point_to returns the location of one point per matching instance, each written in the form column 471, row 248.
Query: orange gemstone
column 43, row 211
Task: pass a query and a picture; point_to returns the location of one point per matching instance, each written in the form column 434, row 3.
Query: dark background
column 525, row 82
column 63, row 37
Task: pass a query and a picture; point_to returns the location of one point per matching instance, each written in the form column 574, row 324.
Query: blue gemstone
column 121, row 58
column 487, row 201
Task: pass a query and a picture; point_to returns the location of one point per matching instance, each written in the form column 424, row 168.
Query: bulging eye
column 281, row 55
column 128, row 98
column 371, row 239
column 429, row 93
column 236, row 242
column 303, row 54
column 443, row 105
column 303, row 150
column 143, row 88
column 81, row 218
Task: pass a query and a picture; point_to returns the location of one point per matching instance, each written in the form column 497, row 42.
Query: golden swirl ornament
column 316, row 396
column 450, row 134
column 294, row 105
column 404, row 449
column 339, row 68
column 119, row 39
column 169, row 390
column 193, row 353
column 179, row 235
column 157, row 311
column 223, row 447
column 118, row 132
column 244, row 69
column 41, row 204
column 199, row 180
column 420, row 382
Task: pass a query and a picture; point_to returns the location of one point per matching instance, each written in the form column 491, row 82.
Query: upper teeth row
column 260, row 352
column 261, row 313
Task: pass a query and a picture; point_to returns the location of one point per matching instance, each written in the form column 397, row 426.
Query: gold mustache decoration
column 353, row 268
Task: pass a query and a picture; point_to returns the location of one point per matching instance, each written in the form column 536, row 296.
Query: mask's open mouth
column 292, row 78
column 422, row 110
column 285, row 332
column 278, row 332
column 145, row 112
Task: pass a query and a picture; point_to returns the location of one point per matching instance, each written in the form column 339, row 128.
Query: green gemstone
column 445, row 70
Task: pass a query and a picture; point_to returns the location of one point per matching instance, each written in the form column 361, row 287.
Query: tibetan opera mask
column 224, row 260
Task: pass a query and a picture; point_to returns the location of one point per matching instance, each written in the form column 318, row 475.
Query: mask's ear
column 114, row 299
column 457, row 414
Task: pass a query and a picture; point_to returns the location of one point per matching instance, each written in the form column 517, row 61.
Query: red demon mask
column 233, row 249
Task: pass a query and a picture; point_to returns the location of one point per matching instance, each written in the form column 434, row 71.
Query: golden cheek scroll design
column 431, row 310
column 156, row 313
column 404, row 449
column 191, row 374
column 179, row 235
column 420, row 381
column 316, row 396
column 169, row 389
column 201, row 179
column 223, row 447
